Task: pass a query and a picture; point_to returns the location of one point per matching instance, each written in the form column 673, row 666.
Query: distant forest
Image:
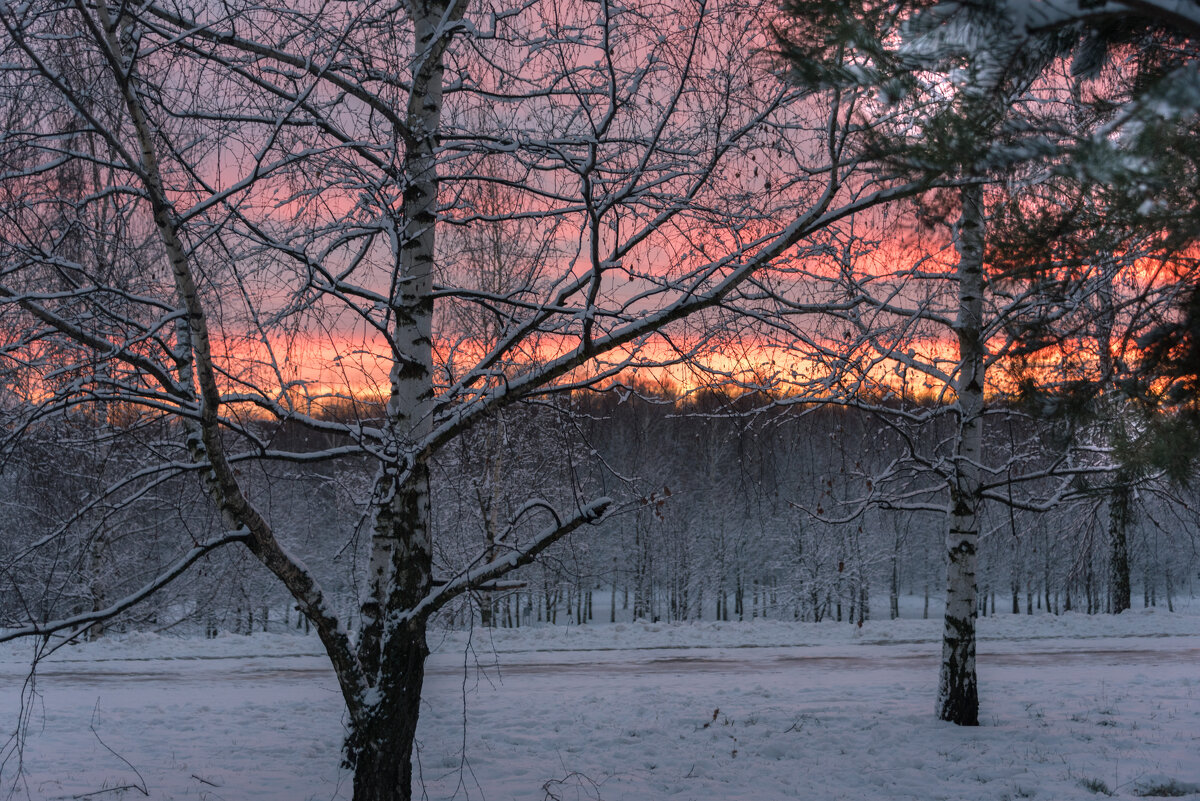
column 727, row 510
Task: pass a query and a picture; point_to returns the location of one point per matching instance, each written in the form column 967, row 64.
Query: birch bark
column 958, row 690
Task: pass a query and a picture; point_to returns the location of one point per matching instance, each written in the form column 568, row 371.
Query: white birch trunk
column 393, row 647
column 958, row 691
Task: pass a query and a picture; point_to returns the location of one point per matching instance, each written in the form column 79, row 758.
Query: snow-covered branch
column 85, row 619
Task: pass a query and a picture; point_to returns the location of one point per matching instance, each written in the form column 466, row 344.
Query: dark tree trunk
column 1118, row 548
column 1088, row 590
column 1170, row 589
column 379, row 748
column 894, row 589
column 1046, row 575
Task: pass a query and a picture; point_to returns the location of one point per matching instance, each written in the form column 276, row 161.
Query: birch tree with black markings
column 286, row 174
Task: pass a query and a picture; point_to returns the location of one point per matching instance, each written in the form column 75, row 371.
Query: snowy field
column 1073, row 707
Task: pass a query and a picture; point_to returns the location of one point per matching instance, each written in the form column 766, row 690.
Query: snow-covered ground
column 1073, row 707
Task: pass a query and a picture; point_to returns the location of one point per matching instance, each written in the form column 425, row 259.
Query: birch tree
column 290, row 171
column 965, row 95
column 986, row 94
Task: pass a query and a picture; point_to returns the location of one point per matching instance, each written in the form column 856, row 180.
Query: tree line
column 726, row 510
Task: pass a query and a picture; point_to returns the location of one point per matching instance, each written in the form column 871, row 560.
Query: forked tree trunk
column 958, row 690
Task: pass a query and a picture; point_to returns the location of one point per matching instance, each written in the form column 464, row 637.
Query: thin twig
column 120, row 789
column 140, row 788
